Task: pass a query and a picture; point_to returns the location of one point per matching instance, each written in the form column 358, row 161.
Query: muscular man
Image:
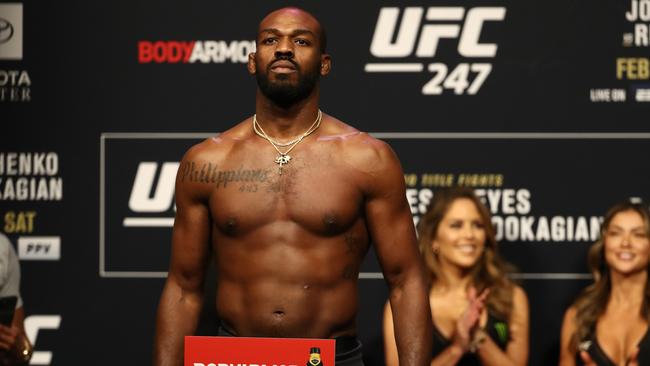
column 286, row 204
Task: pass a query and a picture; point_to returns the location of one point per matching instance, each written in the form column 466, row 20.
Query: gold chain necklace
column 283, row 158
column 260, row 132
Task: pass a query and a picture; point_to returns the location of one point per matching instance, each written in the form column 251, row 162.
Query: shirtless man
column 288, row 223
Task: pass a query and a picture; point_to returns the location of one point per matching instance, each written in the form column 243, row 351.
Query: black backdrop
column 542, row 106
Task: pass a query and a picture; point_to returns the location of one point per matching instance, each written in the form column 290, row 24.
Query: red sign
column 248, row 351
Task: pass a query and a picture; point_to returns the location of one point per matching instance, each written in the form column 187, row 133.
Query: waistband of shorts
column 344, row 344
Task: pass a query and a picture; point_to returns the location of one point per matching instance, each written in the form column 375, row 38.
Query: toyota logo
column 6, row 30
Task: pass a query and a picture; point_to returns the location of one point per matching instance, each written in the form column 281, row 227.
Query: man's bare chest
column 314, row 192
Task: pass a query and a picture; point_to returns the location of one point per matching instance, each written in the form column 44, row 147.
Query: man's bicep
column 190, row 239
column 394, row 238
column 390, row 221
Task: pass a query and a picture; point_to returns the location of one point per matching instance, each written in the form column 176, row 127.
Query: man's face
column 288, row 62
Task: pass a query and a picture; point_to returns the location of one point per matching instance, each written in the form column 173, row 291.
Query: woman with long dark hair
column 607, row 325
column 480, row 316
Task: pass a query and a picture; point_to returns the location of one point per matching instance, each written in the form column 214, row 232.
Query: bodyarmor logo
column 399, row 39
column 173, row 52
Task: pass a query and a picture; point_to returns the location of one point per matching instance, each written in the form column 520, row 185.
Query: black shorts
column 348, row 348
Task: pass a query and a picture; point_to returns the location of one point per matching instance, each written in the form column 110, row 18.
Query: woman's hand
column 469, row 321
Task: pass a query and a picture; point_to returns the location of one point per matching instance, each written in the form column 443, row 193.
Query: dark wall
column 542, row 106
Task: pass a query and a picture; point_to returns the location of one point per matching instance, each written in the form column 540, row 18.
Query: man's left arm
column 391, row 229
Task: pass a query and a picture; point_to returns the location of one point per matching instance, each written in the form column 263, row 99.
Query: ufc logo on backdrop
column 418, row 35
column 152, row 193
column 33, row 325
column 149, row 194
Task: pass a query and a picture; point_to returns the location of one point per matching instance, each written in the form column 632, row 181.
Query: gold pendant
column 281, row 160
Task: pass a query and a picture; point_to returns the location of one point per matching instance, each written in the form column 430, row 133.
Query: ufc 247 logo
column 418, row 34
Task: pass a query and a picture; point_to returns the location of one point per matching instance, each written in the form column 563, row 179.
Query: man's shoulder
column 359, row 149
column 352, row 139
column 218, row 146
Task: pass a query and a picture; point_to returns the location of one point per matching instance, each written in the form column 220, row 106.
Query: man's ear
column 251, row 66
column 325, row 64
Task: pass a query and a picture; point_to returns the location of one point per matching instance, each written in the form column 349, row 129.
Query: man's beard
column 282, row 91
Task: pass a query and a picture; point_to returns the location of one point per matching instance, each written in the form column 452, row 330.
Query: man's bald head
column 300, row 16
column 290, row 56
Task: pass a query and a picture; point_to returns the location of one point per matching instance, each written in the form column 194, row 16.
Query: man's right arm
column 182, row 297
